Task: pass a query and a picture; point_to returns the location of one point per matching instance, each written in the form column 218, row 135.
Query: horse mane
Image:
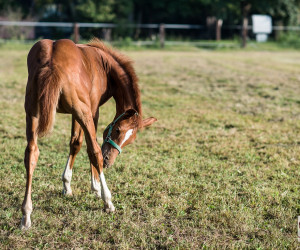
column 126, row 64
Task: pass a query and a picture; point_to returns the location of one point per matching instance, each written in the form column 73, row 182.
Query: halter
column 108, row 138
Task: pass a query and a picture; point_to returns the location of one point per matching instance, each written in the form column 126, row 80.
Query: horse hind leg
column 75, row 145
column 30, row 161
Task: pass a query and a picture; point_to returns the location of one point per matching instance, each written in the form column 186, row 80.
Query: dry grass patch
column 219, row 169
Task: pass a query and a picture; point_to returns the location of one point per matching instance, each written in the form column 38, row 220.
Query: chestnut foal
column 76, row 79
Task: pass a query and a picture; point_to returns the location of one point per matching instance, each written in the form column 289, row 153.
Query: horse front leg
column 84, row 117
column 95, row 180
column 30, row 161
column 75, row 145
column 106, row 195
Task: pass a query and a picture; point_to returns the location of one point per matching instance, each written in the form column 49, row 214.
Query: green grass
column 219, row 169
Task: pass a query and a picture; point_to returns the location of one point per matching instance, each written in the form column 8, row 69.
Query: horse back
column 62, row 54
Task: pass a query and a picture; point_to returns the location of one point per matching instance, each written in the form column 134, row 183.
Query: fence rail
column 98, row 25
column 161, row 27
column 112, row 25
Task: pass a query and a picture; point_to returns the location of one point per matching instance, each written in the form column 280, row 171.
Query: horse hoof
column 98, row 195
column 67, row 193
column 25, row 225
column 109, row 208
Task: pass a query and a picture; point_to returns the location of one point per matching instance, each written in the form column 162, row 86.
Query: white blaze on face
column 127, row 136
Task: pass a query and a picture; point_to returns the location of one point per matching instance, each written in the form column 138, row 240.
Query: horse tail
column 49, row 89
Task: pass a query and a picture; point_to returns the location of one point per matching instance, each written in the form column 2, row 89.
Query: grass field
column 220, row 168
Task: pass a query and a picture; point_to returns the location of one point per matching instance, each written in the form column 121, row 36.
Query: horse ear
column 130, row 112
column 148, row 121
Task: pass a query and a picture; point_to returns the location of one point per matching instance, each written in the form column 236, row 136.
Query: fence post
column 245, row 8
column 107, row 34
column 211, row 24
column 76, row 33
column 218, row 29
column 278, row 32
column 162, row 35
column 244, row 32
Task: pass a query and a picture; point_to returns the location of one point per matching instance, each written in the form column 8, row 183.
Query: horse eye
column 118, row 130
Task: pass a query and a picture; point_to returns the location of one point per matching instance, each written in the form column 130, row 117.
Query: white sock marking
column 95, row 186
column 66, row 178
column 27, row 209
column 106, row 195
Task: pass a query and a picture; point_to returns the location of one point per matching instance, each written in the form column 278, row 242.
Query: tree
column 95, row 10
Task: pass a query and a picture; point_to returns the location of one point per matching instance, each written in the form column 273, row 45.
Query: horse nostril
column 106, row 161
column 105, row 158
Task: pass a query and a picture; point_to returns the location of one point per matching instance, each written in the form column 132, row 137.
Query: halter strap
column 108, row 138
column 115, row 145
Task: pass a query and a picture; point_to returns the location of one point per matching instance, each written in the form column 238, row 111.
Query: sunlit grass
column 220, row 168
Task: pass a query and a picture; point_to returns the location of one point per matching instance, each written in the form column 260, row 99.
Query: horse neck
column 124, row 98
column 124, row 93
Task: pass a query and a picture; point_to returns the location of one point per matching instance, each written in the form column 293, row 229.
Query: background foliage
column 155, row 11
column 124, row 12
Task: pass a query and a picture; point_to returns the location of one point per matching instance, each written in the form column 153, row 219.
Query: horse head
column 121, row 132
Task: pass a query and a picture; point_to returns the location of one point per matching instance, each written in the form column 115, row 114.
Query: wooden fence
column 160, row 27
